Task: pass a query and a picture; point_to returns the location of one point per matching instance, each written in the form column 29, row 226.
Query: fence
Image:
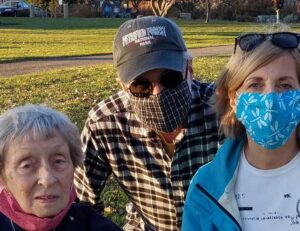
column 266, row 18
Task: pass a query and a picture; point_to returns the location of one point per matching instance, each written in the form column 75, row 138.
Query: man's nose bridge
column 157, row 88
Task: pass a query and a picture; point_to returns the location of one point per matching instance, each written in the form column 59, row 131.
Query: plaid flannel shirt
column 115, row 142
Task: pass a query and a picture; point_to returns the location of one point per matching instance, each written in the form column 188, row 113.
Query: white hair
column 38, row 121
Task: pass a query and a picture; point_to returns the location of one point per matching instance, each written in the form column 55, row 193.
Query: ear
column 121, row 84
column 189, row 72
column 232, row 100
column 2, row 182
column 190, row 67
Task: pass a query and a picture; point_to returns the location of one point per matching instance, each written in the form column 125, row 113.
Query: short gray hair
column 38, row 121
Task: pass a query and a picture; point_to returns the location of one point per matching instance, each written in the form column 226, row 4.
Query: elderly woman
column 39, row 150
column 252, row 182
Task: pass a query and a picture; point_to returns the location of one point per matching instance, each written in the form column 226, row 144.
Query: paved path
column 26, row 67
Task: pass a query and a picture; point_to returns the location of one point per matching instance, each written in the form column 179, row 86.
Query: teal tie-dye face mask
column 270, row 118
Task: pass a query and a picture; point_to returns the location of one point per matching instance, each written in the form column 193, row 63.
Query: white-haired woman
column 39, row 150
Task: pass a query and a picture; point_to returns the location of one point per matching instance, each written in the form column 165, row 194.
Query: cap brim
column 131, row 69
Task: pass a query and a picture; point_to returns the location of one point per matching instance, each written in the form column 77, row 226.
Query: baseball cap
column 147, row 43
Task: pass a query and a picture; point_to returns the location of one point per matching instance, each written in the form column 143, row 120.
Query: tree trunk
column 298, row 7
column 207, row 7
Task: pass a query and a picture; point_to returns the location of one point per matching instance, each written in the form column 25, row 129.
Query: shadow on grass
column 10, row 24
column 91, row 57
column 60, row 23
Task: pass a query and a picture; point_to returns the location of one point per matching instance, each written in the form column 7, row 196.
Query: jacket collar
column 223, row 169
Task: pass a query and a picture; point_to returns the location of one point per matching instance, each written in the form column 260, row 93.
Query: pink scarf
column 11, row 209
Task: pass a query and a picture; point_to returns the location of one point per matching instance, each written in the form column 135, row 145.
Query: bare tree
column 207, row 9
column 161, row 7
column 298, row 6
column 237, row 5
column 206, row 5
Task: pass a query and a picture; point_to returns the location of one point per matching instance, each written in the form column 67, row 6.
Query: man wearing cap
column 155, row 133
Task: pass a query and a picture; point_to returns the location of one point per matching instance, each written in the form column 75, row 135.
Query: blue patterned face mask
column 270, row 118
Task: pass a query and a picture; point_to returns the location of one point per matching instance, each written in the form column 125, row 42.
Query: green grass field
column 31, row 38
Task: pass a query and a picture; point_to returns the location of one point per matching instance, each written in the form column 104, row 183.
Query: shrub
column 173, row 12
column 290, row 18
column 245, row 18
column 197, row 13
column 223, row 12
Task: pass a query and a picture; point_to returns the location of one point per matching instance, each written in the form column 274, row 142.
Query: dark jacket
column 79, row 218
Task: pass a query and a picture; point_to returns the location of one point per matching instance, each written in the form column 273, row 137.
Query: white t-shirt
column 269, row 200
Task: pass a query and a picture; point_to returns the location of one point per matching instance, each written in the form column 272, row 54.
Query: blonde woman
column 252, row 184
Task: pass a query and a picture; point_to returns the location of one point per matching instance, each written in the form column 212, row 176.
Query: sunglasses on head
column 143, row 88
column 285, row 40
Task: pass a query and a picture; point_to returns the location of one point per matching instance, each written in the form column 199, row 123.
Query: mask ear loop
column 232, row 97
column 298, row 132
column 298, row 37
column 188, row 73
column 235, row 45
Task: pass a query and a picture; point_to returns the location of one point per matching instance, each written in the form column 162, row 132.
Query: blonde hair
column 239, row 67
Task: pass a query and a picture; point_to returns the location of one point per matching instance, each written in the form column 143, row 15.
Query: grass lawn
column 74, row 91
column 31, row 38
